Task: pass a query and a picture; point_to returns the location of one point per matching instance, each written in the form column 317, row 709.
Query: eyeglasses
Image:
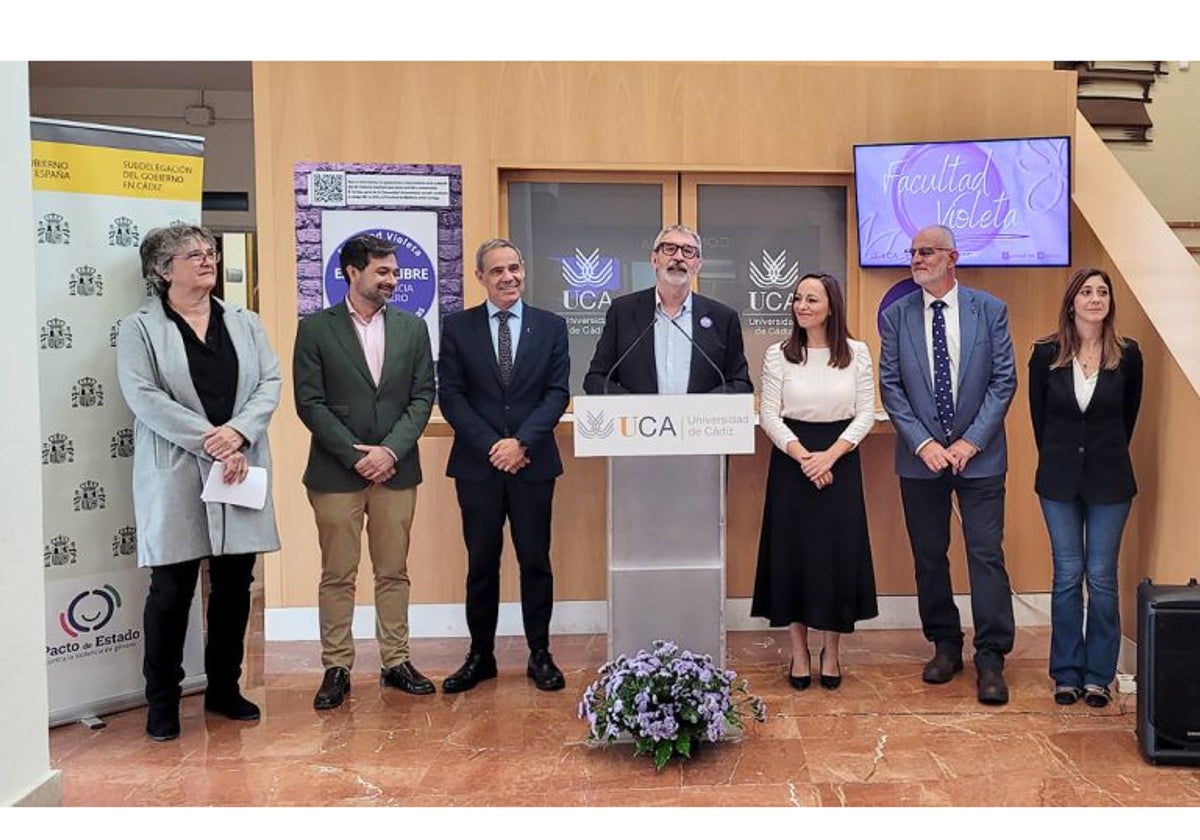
column 670, row 249
column 924, row 252
column 198, row 257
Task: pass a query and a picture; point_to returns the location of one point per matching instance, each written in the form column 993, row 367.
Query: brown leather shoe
column 942, row 668
column 406, row 677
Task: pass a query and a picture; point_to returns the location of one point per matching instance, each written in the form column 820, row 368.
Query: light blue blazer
column 987, row 380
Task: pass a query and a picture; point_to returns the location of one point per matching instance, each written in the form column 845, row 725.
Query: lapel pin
column 705, row 322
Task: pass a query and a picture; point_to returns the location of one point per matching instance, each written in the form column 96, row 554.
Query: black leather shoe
column 1067, row 695
column 992, row 689
column 829, row 681
column 335, row 685
column 798, row 683
column 406, row 678
column 544, row 672
column 942, row 668
column 162, row 721
column 232, row 705
column 477, row 668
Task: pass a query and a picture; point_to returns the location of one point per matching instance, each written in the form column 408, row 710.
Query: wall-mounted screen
column 1007, row 201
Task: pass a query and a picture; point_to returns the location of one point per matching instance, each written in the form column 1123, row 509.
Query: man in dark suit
column 947, row 376
column 503, row 372
column 670, row 340
column 364, row 388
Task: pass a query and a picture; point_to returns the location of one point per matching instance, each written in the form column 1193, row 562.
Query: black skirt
column 814, row 552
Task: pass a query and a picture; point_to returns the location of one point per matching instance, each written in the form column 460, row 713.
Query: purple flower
column 663, row 695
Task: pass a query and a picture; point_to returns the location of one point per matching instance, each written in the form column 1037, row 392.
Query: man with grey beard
column 668, row 339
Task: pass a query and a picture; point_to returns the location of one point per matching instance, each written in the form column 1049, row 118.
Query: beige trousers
column 389, row 515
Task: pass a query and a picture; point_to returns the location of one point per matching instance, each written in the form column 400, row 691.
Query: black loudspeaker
column 1168, row 674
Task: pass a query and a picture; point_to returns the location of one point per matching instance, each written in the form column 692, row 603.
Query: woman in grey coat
column 202, row 383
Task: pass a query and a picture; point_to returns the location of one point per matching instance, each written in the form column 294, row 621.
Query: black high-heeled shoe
column 798, row 683
column 827, row 681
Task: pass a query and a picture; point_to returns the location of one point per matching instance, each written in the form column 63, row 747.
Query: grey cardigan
column 169, row 461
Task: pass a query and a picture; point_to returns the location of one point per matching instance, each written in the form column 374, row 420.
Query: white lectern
column 666, row 511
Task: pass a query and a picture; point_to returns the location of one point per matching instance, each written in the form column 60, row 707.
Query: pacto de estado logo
column 90, row 610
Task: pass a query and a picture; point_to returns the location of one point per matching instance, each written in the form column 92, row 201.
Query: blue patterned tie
column 943, row 396
column 504, row 343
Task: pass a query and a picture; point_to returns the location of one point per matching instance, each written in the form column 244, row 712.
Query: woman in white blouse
column 814, row 554
column 1085, row 389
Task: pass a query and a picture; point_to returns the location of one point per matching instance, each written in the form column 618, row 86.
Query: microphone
column 628, row 350
column 700, row 350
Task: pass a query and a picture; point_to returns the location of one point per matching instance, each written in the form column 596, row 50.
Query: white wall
column 228, row 143
column 24, row 707
column 1168, row 169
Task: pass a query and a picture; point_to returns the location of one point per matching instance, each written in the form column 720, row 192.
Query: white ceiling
column 189, row 75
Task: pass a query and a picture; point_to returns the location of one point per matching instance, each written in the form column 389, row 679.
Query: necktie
column 505, row 347
column 943, row 396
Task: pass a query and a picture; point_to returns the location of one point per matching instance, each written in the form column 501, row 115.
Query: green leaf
column 684, row 745
column 662, row 754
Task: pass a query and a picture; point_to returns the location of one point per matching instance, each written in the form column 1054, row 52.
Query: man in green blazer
column 364, row 388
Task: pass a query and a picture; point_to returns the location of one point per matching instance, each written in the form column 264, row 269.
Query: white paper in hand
column 251, row 493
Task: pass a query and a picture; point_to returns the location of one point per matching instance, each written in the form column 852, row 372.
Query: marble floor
column 883, row 739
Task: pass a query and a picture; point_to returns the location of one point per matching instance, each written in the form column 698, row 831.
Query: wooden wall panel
column 686, row 117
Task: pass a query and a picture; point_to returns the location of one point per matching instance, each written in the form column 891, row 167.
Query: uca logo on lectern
column 595, row 425
column 600, row 425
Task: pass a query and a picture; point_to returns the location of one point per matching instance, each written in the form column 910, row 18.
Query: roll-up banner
column 96, row 191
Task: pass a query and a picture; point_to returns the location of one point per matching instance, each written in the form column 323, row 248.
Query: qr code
column 327, row 189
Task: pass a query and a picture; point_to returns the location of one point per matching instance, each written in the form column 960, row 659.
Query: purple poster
column 1008, row 202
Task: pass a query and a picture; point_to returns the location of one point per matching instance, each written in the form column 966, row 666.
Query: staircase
column 1112, row 96
column 1189, row 235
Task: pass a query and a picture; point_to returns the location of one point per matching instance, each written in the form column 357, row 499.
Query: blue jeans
column 1084, row 540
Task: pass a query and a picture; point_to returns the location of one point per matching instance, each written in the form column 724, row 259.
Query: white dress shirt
column 1085, row 385
column 817, row 393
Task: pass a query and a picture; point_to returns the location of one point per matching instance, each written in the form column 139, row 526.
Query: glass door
column 761, row 233
column 586, row 239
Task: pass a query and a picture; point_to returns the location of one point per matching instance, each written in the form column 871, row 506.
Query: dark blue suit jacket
column 987, row 379
column 482, row 411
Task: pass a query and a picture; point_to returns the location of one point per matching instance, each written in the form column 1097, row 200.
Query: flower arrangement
column 668, row 700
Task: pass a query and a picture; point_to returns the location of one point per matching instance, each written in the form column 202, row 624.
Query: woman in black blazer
column 1085, row 388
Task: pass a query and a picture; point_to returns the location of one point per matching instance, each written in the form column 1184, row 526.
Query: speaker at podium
column 1168, row 674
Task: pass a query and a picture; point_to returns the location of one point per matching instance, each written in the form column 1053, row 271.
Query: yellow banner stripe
column 70, row 167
